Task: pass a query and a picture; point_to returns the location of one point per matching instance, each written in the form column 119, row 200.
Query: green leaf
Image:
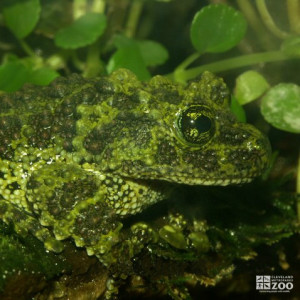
column 249, row 86
column 21, row 17
column 42, row 76
column 82, row 32
column 217, row 28
column 237, row 110
column 122, row 41
column 12, row 76
column 281, row 107
column 153, row 53
column 128, row 56
column 291, row 46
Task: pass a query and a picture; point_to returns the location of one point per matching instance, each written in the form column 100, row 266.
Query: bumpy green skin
column 79, row 156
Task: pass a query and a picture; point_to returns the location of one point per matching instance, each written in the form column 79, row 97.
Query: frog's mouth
column 193, row 177
column 212, row 181
column 183, row 178
column 220, row 172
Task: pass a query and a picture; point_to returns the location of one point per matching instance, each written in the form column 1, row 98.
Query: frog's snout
column 262, row 146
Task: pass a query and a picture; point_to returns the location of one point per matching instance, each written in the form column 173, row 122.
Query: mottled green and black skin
column 79, row 156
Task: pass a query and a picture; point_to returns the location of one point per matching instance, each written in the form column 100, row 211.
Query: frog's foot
column 24, row 222
column 112, row 289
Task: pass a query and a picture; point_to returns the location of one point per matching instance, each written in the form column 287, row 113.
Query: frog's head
column 161, row 130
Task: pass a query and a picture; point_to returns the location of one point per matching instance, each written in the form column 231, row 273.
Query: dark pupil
column 196, row 126
column 202, row 124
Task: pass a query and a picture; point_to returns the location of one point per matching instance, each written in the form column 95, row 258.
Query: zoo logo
column 274, row 284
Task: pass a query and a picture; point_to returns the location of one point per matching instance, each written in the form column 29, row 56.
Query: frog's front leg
column 15, row 209
column 88, row 206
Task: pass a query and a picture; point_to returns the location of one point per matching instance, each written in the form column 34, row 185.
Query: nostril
column 260, row 144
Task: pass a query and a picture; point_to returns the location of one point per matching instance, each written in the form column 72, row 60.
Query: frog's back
column 42, row 116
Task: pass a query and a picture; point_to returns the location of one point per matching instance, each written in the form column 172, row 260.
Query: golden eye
column 196, row 125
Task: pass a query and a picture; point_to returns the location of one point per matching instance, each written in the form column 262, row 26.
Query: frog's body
column 79, row 156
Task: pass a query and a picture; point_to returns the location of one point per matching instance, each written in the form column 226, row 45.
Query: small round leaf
column 42, row 76
column 129, row 57
column 21, row 17
column 217, row 28
column 12, row 76
column 249, row 86
column 153, row 53
column 82, row 32
column 281, row 107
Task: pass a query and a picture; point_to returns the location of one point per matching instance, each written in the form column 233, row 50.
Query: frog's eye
column 196, row 125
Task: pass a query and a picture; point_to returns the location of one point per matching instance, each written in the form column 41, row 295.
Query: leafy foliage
column 250, row 86
column 21, row 17
column 281, row 107
column 82, row 32
column 41, row 40
column 129, row 56
column 217, row 28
